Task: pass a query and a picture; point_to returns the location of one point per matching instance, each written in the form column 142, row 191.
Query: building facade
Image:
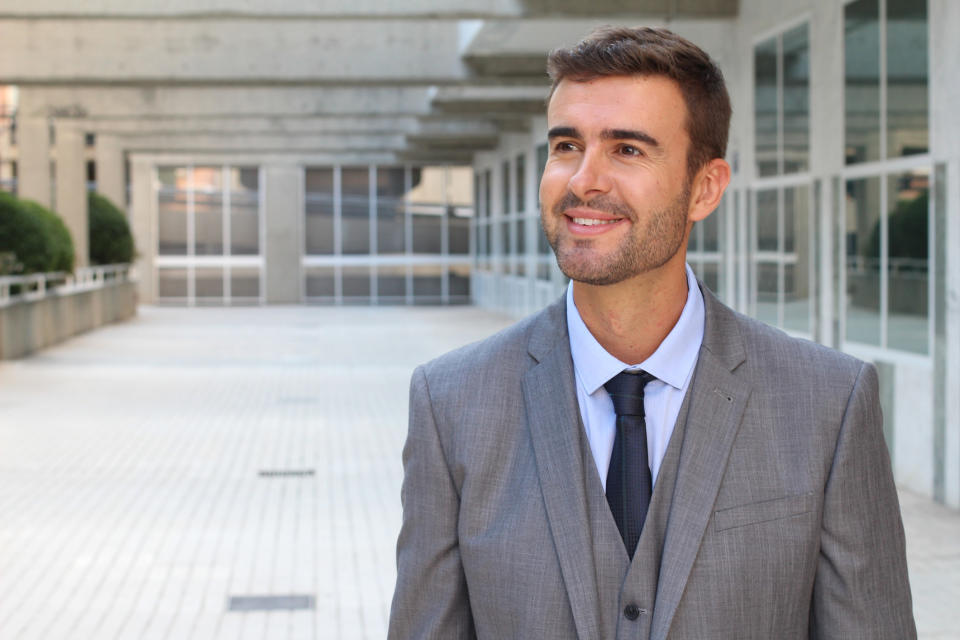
column 358, row 154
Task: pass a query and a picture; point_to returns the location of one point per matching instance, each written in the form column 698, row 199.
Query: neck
column 631, row 318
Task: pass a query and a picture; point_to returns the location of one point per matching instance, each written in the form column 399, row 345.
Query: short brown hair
column 645, row 51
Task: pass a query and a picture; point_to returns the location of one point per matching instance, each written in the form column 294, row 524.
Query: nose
column 591, row 177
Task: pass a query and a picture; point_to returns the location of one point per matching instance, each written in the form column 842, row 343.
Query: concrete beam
column 241, row 125
column 263, row 143
column 431, row 157
column 666, row 8
column 249, row 52
column 264, row 8
column 490, row 101
column 196, row 102
column 519, row 48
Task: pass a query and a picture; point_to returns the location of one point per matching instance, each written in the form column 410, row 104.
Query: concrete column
column 283, row 210
column 111, row 181
column 33, row 168
column 143, row 224
column 71, row 188
column 944, row 19
column 826, row 152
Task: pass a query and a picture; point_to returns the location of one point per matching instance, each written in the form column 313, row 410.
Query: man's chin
column 592, row 272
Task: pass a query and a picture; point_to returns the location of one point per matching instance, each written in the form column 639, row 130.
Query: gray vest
column 620, row 581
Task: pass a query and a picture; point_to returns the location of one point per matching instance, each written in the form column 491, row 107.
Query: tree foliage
column 111, row 241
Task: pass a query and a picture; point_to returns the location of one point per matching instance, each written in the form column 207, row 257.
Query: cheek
column 554, row 181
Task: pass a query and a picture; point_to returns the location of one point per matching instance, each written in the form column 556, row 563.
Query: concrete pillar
column 944, row 19
column 827, row 154
column 33, row 168
column 143, row 224
column 71, row 189
column 111, row 178
column 283, row 211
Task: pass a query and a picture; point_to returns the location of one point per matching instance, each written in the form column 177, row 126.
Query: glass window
column 767, row 232
column 505, row 187
column 319, row 212
column 355, row 210
column 488, row 210
column 797, row 254
column 244, row 284
column 459, row 283
column 862, row 80
column 520, row 165
column 796, row 100
column 208, row 210
column 768, row 293
column 172, row 211
column 710, row 229
column 710, row 274
column 208, row 285
column 907, row 92
column 765, row 107
column 172, row 284
column 427, row 284
column 391, row 210
column 321, row 283
column 460, row 189
column 863, row 239
column 356, row 284
column 391, row 284
column 244, row 211
column 427, row 208
column 543, row 152
column 907, row 265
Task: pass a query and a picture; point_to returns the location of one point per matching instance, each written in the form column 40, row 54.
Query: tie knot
column 626, row 391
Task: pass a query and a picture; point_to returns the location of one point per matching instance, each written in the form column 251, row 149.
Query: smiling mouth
column 590, row 222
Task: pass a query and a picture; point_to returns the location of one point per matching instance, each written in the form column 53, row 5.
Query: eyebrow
column 606, row 134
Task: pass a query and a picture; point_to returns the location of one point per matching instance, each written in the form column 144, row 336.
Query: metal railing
column 37, row 286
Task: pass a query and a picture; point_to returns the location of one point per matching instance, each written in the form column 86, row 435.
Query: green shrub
column 59, row 243
column 25, row 234
column 110, row 239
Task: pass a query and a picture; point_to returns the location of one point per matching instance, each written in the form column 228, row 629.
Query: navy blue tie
column 629, row 482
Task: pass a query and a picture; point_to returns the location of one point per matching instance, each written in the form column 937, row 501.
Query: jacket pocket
column 766, row 511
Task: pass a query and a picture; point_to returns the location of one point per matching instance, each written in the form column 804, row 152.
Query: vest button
column 631, row 612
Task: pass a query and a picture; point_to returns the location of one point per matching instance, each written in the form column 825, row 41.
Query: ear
column 707, row 189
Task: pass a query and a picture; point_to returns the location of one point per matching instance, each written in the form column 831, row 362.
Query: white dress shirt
column 672, row 363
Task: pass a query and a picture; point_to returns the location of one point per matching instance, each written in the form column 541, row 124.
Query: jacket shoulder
column 775, row 355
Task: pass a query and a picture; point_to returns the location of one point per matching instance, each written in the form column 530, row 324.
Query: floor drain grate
column 270, row 603
column 286, row 473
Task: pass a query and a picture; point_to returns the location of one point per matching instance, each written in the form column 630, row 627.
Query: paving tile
column 133, row 504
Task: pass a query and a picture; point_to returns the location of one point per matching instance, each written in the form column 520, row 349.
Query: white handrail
column 36, row 286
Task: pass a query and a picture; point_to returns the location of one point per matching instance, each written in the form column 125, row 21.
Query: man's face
column 615, row 192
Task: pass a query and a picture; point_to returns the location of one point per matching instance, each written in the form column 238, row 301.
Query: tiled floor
column 136, row 493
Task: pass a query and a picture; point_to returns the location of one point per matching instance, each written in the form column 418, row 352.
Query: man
column 637, row 460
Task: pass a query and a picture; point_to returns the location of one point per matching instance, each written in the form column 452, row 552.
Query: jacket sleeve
column 430, row 599
column 861, row 588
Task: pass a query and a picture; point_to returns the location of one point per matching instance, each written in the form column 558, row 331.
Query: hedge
column 34, row 235
column 110, row 239
column 59, row 243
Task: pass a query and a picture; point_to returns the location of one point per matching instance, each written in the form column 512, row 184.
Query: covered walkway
column 235, row 473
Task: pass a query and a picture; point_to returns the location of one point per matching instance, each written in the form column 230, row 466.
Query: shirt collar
column 672, row 362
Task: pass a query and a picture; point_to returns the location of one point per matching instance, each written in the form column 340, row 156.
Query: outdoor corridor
column 235, row 473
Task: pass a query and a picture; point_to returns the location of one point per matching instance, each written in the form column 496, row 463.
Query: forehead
column 651, row 103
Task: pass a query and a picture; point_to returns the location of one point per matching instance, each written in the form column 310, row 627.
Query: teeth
column 589, row 222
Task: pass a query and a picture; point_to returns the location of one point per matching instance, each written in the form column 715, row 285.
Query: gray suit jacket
column 784, row 520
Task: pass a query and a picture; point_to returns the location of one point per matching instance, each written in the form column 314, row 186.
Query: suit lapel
column 549, row 393
column 717, row 402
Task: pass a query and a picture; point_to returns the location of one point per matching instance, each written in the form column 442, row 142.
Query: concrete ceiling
column 428, row 81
